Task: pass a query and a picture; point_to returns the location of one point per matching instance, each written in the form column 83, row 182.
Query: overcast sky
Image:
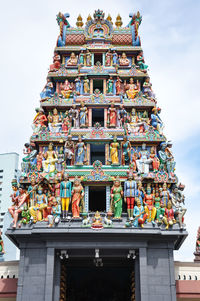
column 170, row 34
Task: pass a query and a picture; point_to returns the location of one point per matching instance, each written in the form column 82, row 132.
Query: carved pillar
column 104, row 86
column 91, row 86
column 107, row 198
column 88, row 154
column 105, row 117
column 89, row 117
column 58, row 87
column 107, row 154
column 104, row 56
column 86, row 198
column 92, row 59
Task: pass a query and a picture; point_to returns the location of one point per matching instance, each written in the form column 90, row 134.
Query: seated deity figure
column 83, row 115
column 55, row 123
column 47, row 91
column 144, row 160
column 66, row 89
column 140, row 62
column 50, row 156
column 73, row 60
column 132, row 89
column 39, row 122
column 123, row 60
column 54, row 217
column 168, row 218
column 18, row 198
column 56, row 63
column 80, row 154
column 40, row 205
column 139, row 214
column 74, row 116
column 147, row 89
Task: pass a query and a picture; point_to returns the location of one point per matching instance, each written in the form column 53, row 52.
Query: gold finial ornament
column 109, row 18
column 118, row 22
column 79, row 22
column 89, row 18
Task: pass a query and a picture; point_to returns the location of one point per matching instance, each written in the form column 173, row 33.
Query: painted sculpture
column 116, row 198
column 50, row 159
column 77, row 197
column 65, row 194
column 114, row 153
column 130, row 192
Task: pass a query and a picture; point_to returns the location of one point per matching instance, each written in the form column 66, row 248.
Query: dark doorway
column 97, row 198
column 98, row 84
column 98, row 58
column 90, row 283
column 98, row 116
column 97, row 152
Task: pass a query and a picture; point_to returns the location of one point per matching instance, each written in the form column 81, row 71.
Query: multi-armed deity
column 97, row 142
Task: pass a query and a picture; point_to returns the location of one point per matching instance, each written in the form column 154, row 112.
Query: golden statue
column 49, row 164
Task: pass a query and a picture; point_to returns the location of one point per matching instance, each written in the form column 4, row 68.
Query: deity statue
column 122, row 115
column 77, row 197
column 50, row 156
column 55, row 123
column 97, row 221
column 39, row 122
column 88, row 58
column 61, row 159
column 177, row 200
column 140, row 62
column 54, row 217
column 56, row 63
column 112, row 116
column 123, row 60
column 168, row 218
column 83, row 115
column 159, row 209
column 114, row 58
column 39, row 159
column 36, row 211
column 30, row 160
column 114, row 146
column 136, row 124
column 147, row 89
column 140, row 192
column 73, row 60
column 78, row 85
column 65, row 194
column 132, row 89
column 155, row 160
column 66, row 89
column 116, row 198
column 149, row 205
column 69, row 151
column 86, row 85
column 66, row 124
column 47, row 91
column 143, row 161
column 80, row 153
column 130, row 192
column 139, row 214
column 57, row 189
column 156, row 121
column 166, row 159
column 126, row 151
column 118, row 86
column 32, row 192
column 165, row 196
column 74, row 116
column 108, row 58
column 110, row 83
column 81, row 57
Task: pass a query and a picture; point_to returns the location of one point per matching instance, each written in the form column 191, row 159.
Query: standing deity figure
column 122, row 115
column 65, row 194
column 86, row 85
column 110, row 83
column 140, row 192
column 57, row 189
column 40, row 205
column 80, row 154
column 130, row 192
column 73, row 60
column 50, row 156
column 39, row 122
column 77, row 197
column 69, row 151
column 144, row 160
column 139, row 214
column 123, row 60
column 55, row 123
column 168, row 218
column 108, row 58
column 116, row 198
column 32, row 188
column 112, row 116
column 125, row 151
column 140, row 62
column 155, row 160
column 39, row 159
column 47, row 91
column 159, row 210
column 66, row 89
column 78, row 85
column 166, row 159
column 54, row 217
column 74, row 116
column 177, row 200
column 147, row 89
column 56, row 63
column 66, row 125
column 114, row 156
column 88, row 58
column 156, row 121
column 165, row 196
column 61, row 159
column 118, row 85
column 81, row 57
column 83, row 115
column 149, row 205
column 114, row 58
column 132, row 89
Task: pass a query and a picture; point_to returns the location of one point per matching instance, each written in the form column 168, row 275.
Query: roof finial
column 118, row 22
column 79, row 22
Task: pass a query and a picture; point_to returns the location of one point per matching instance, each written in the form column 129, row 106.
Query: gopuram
column 99, row 209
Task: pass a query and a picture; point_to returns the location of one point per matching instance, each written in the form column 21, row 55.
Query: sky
column 170, row 35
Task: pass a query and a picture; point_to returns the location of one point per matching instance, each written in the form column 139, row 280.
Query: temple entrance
column 97, row 198
column 110, row 282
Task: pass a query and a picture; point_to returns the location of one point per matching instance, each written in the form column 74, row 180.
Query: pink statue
column 77, row 196
column 118, row 85
column 56, row 63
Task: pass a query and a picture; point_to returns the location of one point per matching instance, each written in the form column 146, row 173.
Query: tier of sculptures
column 146, row 203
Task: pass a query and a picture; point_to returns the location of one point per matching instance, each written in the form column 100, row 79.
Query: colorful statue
column 116, row 198
column 108, row 59
column 81, row 57
column 57, row 189
column 78, row 85
column 126, row 151
column 132, row 89
column 130, row 192
column 118, row 86
column 166, row 160
column 122, row 115
column 47, row 91
column 65, row 194
column 54, row 217
column 147, row 89
column 39, row 122
column 123, row 60
column 56, row 63
column 139, row 215
column 140, row 62
column 25, row 216
column 36, row 211
column 110, row 85
column 114, row 146
column 77, row 197
column 32, row 192
column 39, row 159
column 74, row 116
column 143, row 161
column 88, row 58
column 83, row 115
column 165, row 196
column 140, row 192
column 112, row 116
column 66, row 124
column 155, row 160
column 86, row 85
column 55, row 123
column 66, row 89
column 114, row 58
column 168, row 218
column 73, row 60
column 30, row 160
column 63, row 25
column 97, row 221
column 61, row 159
column 159, row 210
column 80, row 154
column 177, row 200
column 156, row 122
column 69, row 151
column 149, row 205
column 50, row 156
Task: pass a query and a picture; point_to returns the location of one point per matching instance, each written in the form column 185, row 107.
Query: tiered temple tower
column 98, row 210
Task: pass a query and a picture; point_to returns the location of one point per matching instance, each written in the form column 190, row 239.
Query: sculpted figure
column 78, row 85
column 61, row 159
column 156, row 121
column 116, row 198
column 39, row 121
column 139, row 215
column 57, row 189
column 168, row 218
column 177, row 200
column 122, row 115
column 140, row 62
column 50, row 156
column 118, row 86
column 74, row 116
column 18, row 205
column 126, row 151
column 30, row 159
column 73, row 60
column 110, row 85
column 36, row 211
column 147, row 89
column 55, row 123
column 65, row 194
column 54, row 217
column 77, row 197
column 47, row 91
column 66, row 124
column 165, row 196
column 86, row 85
column 166, row 159
column 81, row 57
column 83, row 115
column 108, row 58
column 39, row 159
column 69, row 151
column 155, row 160
column 112, row 116
column 114, row 146
column 66, row 89
column 130, row 192
column 88, row 58
column 80, row 152
column 2, row 251
column 56, row 63
column 149, row 205
column 123, row 60
column 132, row 89
column 114, row 58
column 144, row 160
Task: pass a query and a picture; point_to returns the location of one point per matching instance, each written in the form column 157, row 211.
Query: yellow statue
column 49, row 164
column 40, row 205
column 123, row 60
column 114, row 152
column 132, row 89
column 73, row 60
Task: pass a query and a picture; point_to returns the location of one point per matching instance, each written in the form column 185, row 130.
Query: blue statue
column 48, row 90
column 64, row 24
